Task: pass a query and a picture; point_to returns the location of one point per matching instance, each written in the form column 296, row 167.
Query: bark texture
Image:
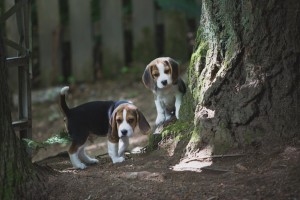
column 18, row 180
column 244, row 74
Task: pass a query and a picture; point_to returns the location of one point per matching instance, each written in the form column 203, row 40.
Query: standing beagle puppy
column 115, row 119
column 161, row 76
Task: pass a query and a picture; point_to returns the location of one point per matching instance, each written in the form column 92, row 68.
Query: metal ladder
column 22, row 9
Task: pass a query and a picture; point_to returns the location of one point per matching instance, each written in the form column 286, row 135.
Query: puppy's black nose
column 124, row 132
column 164, row 82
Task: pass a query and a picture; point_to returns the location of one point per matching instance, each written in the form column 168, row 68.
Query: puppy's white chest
column 167, row 97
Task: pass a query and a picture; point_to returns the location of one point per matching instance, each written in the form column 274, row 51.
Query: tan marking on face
column 168, row 69
column 154, row 72
column 131, row 116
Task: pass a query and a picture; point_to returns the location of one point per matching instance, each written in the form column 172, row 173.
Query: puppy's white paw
column 80, row 166
column 118, row 159
column 177, row 114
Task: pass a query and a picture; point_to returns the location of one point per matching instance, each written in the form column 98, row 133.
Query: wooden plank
column 81, row 40
column 112, row 37
column 49, row 30
column 143, row 27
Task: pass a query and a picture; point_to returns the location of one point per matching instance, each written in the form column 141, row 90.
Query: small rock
column 241, row 167
column 137, row 150
column 131, row 175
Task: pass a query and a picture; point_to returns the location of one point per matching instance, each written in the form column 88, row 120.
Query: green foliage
column 71, row 80
column 124, row 70
column 188, row 7
column 132, row 71
column 60, row 79
column 62, row 138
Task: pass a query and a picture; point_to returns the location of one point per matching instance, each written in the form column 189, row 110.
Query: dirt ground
column 270, row 172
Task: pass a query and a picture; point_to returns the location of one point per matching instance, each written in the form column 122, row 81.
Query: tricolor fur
column 161, row 76
column 115, row 119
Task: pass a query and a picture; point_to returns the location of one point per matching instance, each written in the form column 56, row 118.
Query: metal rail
column 21, row 9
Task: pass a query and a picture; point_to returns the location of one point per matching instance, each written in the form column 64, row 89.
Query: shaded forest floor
column 270, row 172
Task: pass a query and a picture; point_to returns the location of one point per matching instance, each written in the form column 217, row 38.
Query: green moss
column 201, row 49
column 187, row 108
column 153, row 141
column 195, row 135
column 177, row 130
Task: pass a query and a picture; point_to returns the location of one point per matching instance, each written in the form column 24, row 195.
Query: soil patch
column 270, row 172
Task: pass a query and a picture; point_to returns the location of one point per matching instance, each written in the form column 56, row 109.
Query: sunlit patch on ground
column 196, row 162
column 195, row 166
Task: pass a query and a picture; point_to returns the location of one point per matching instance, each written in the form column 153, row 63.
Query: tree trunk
column 244, row 74
column 18, row 180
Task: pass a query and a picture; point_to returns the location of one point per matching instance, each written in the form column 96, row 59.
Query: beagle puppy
column 161, row 76
column 115, row 119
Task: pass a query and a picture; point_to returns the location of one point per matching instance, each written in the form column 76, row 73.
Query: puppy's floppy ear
column 148, row 79
column 174, row 67
column 142, row 122
column 113, row 134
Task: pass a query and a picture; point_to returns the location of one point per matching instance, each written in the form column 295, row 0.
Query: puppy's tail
column 63, row 104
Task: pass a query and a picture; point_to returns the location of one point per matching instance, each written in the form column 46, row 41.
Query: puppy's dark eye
column 167, row 71
column 155, row 75
column 119, row 121
column 130, row 121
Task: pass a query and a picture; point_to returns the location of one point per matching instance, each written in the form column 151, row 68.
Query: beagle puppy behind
column 161, row 76
column 115, row 119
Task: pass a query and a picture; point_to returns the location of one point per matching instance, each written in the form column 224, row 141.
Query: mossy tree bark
column 18, row 179
column 244, row 74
